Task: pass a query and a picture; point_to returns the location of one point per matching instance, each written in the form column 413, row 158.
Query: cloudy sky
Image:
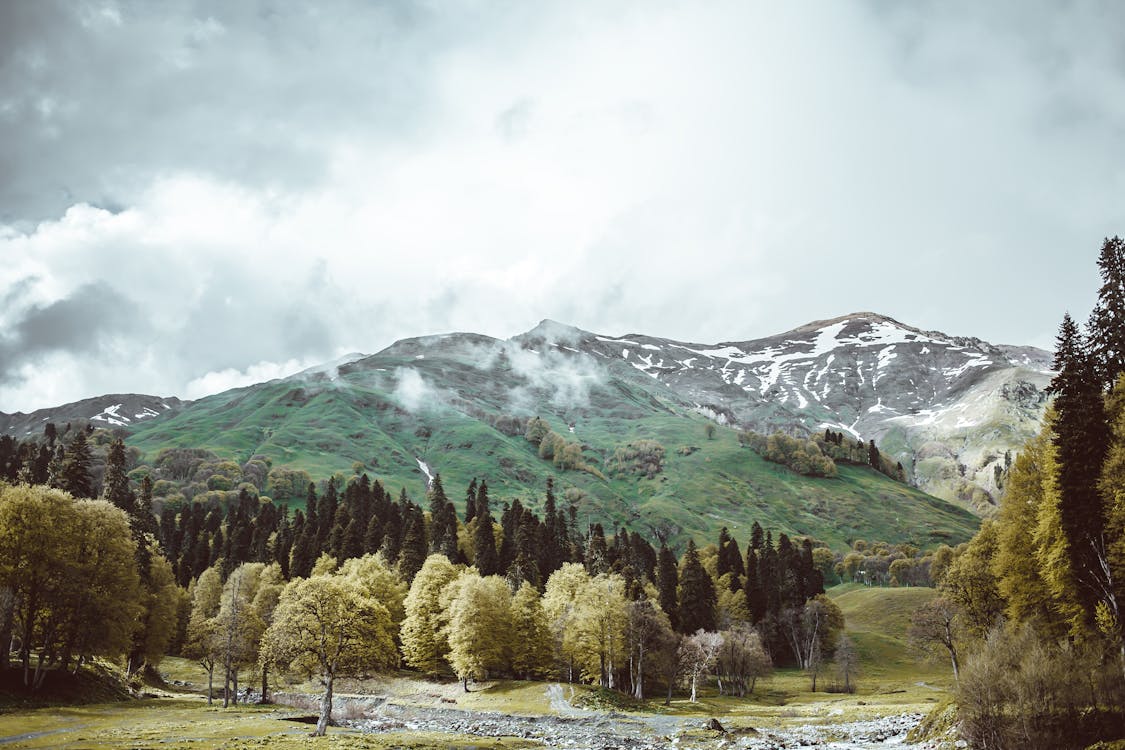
column 199, row 195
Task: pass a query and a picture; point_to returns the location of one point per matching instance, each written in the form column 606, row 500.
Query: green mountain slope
column 458, row 404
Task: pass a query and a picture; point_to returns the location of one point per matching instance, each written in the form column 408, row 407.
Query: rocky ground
column 574, row 729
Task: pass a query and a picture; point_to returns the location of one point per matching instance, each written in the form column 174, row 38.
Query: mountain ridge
column 950, row 408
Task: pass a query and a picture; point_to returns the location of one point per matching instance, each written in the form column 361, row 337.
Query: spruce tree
column 1107, row 322
column 667, row 583
column 115, row 485
column 697, row 594
column 755, row 593
column 76, row 468
column 1082, row 439
column 485, row 557
column 413, row 553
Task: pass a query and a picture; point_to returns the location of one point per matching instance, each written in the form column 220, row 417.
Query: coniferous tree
column 597, row 554
column 755, row 593
column 697, row 594
column 485, row 557
column 1081, row 438
column 115, row 485
column 327, row 514
column 56, row 468
column 76, row 468
column 442, row 524
column 667, row 583
column 471, row 502
column 413, row 553
column 1107, row 322
column 873, row 455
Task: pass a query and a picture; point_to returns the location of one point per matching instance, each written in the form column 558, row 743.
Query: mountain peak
column 554, row 331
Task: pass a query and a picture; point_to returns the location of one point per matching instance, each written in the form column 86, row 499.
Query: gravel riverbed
column 574, row 729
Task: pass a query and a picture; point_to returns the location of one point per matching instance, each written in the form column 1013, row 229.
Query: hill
column 458, row 405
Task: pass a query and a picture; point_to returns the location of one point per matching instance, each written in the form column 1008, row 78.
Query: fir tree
column 485, row 557
column 667, row 582
column 1107, row 322
column 697, row 594
column 115, row 486
column 76, row 468
column 1082, row 438
column 413, row 553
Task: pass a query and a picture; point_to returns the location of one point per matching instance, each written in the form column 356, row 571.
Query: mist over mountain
column 952, row 410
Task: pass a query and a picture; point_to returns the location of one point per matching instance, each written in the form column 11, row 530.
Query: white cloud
column 222, row 380
column 704, row 172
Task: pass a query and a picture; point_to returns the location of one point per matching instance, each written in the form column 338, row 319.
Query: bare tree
column 936, row 625
column 700, row 652
column 847, row 662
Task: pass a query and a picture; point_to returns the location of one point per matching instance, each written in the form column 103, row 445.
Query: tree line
column 1030, row 616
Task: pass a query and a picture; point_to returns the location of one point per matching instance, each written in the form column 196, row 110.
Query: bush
column 1022, row 691
column 641, row 457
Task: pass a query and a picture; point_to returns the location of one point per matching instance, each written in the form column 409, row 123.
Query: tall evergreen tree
column 755, row 593
column 667, row 583
column 485, row 557
column 1082, row 439
column 697, row 594
column 76, row 477
column 1107, row 322
column 443, row 525
column 115, row 485
column 413, row 553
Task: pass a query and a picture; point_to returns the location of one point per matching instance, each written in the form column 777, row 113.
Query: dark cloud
column 96, row 98
column 77, row 324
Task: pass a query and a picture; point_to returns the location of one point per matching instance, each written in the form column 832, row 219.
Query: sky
column 201, row 195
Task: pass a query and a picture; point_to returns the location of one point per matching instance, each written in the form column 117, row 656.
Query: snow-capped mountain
column 950, row 408
column 113, row 410
column 954, row 410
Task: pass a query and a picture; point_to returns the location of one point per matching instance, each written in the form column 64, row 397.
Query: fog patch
column 414, row 393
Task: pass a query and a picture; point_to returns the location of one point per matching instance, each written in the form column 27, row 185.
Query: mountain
column 952, row 409
column 948, row 408
column 113, row 410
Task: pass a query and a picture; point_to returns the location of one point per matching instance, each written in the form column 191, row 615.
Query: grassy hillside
column 877, row 620
column 448, row 409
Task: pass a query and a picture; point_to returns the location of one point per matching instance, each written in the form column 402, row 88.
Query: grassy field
column 891, row 682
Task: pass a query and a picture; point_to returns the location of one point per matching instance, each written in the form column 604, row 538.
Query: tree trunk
column 956, row 670
column 693, row 691
column 265, row 685
column 465, row 683
column 639, row 687
column 671, row 687
column 226, row 685
column 210, row 684
column 325, row 706
column 234, row 685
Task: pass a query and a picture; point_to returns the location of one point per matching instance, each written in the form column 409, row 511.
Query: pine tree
column 1082, row 439
column 442, row 525
column 327, row 514
column 471, row 502
column 485, row 557
column 755, row 593
column 597, row 555
column 667, row 583
column 413, row 553
column 1107, row 322
column 76, row 468
column 115, row 486
column 697, row 594
column 873, row 455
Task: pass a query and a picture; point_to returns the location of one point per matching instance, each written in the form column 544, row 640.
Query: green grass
column 877, row 620
column 181, row 723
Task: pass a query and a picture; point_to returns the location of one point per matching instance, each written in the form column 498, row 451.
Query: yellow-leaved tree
column 477, row 612
column 424, row 643
column 330, row 626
